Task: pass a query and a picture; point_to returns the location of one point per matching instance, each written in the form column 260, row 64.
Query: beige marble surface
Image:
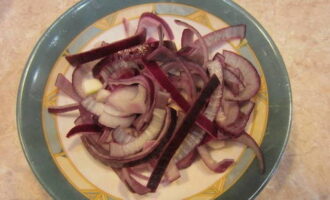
column 300, row 28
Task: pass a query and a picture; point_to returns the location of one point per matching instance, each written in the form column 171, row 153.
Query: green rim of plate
column 85, row 13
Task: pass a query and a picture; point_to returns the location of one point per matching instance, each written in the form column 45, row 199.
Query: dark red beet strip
column 181, row 133
column 160, row 76
column 131, row 53
column 103, row 51
column 84, row 129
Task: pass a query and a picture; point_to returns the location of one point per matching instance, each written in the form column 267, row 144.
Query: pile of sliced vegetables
column 147, row 109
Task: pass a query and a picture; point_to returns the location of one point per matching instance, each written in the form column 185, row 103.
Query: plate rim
column 28, row 66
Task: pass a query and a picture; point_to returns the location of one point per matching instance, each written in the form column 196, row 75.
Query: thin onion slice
column 249, row 72
column 148, row 20
column 147, row 83
column 128, row 28
column 201, row 40
column 136, row 159
column 63, row 109
column 247, row 140
column 218, row 167
column 237, row 127
column 187, row 161
column 187, row 38
column 159, row 75
column 215, row 38
column 130, row 182
column 65, row 86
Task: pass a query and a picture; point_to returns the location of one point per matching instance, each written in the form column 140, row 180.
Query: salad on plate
column 147, row 108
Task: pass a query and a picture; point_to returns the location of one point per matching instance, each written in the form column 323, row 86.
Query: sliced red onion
column 233, row 82
column 91, row 105
column 138, row 104
column 185, row 73
column 102, row 95
column 78, row 121
column 162, row 54
column 151, row 39
column 84, row 129
column 129, row 99
column 159, row 75
column 111, row 110
column 128, row 28
column 247, row 140
column 79, row 76
column 247, row 107
column 137, row 174
column 157, row 146
column 123, row 135
column 148, row 144
column 216, row 144
column 215, row 38
column 187, row 38
column 249, row 72
column 215, row 68
column 149, row 20
column 220, row 137
column 154, row 128
column 128, row 87
column 94, row 54
column 229, row 113
column 145, row 155
column 172, row 172
column 189, row 144
column 237, row 127
column 65, row 86
column 162, row 99
column 187, row 161
column 106, row 136
column 221, row 58
column 194, row 139
column 63, row 109
column 237, row 72
column 125, row 73
column 180, row 133
column 97, row 108
column 115, row 121
column 160, row 35
column 150, row 103
column 201, row 41
column 131, row 183
column 196, row 69
column 131, row 94
column 182, row 84
column 85, row 117
column 218, row 167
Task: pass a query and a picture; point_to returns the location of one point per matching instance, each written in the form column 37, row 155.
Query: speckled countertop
column 301, row 30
